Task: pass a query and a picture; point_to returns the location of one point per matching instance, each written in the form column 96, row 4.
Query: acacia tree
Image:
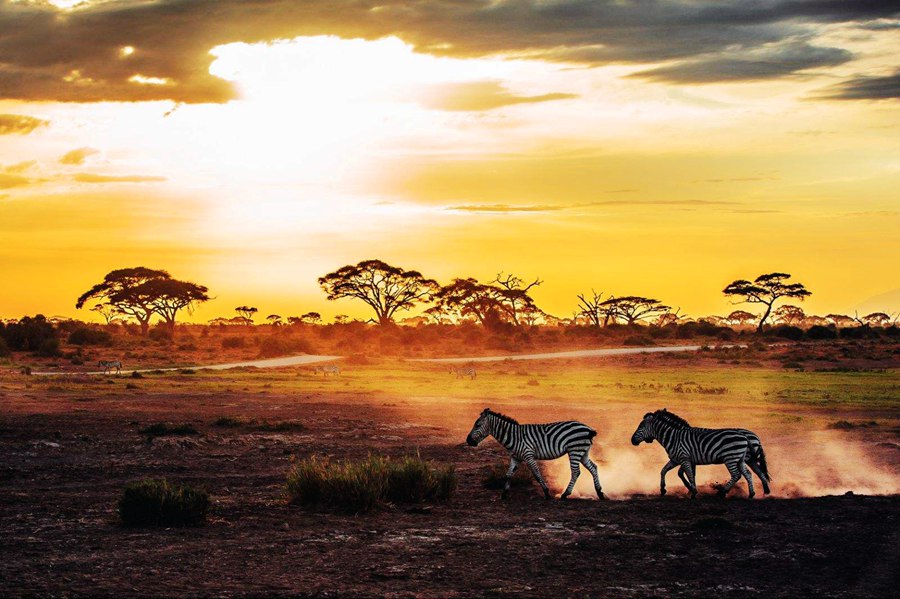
column 876, row 319
column 766, row 289
column 467, row 298
column 512, row 292
column 246, row 312
column 384, row 288
column 590, row 308
column 274, row 320
column 123, row 290
column 311, row 318
column 841, row 320
column 789, row 315
column 171, row 295
column 106, row 311
column 633, row 308
column 670, row 317
column 740, row 318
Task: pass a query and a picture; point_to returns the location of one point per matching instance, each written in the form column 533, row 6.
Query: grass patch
column 359, row 486
column 163, row 429
column 494, row 478
column 154, row 502
column 233, row 422
column 844, row 425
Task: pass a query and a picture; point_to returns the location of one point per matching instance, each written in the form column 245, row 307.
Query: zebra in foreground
column 690, row 446
column 531, row 442
column 332, row 369
column 461, row 371
column 110, row 365
column 756, row 460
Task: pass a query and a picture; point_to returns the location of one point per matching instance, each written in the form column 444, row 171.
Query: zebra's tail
column 761, row 460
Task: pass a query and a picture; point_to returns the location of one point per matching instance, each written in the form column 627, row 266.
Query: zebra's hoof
column 546, row 494
column 693, row 494
column 721, row 494
column 564, row 496
column 601, row 496
column 662, row 491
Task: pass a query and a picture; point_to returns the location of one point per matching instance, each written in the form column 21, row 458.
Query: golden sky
column 657, row 148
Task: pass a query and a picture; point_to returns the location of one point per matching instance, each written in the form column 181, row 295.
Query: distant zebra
column 109, row 365
column 327, row 369
column 756, row 460
column 690, row 446
column 531, row 442
column 461, row 371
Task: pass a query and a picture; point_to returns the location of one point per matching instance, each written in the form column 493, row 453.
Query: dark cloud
column 78, row 156
column 92, row 178
column 766, row 64
column 866, row 88
column 19, row 123
column 479, row 96
column 46, row 54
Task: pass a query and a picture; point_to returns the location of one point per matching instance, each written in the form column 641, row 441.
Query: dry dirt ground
column 65, row 457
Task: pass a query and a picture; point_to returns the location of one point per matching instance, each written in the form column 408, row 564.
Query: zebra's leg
column 746, row 472
column 592, row 468
column 688, row 469
column 662, row 475
column 762, row 477
column 536, row 472
column 513, row 464
column 735, row 469
column 575, row 467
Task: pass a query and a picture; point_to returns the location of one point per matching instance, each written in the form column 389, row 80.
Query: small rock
column 285, row 526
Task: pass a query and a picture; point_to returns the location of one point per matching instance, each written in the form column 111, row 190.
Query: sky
column 648, row 147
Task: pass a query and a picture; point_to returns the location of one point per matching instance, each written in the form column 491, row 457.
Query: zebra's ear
column 485, row 411
column 665, row 410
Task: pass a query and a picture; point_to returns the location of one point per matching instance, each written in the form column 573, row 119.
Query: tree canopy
column 384, row 288
column 124, row 289
column 766, row 289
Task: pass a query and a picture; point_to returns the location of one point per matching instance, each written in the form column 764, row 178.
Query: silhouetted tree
column 589, row 307
column 670, row 317
column 246, row 312
column 169, row 296
column 633, row 308
column 841, row 320
column 876, row 319
column 468, row 299
column 106, row 311
column 789, row 315
column 124, row 290
column 766, row 289
column 512, row 292
column 384, row 288
column 740, row 318
column 274, row 320
column 311, row 318
column 341, row 319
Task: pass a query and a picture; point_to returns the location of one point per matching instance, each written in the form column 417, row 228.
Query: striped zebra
column 756, row 460
column 327, row 369
column 690, row 446
column 110, row 365
column 531, row 442
column 461, row 371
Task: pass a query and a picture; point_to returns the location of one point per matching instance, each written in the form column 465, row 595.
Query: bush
column 49, row 348
column 90, row 336
column 819, row 332
column 160, row 334
column 638, row 340
column 34, row 334
column 162, row 429
column 159, row 503
column 232, row 422
column 362, row 485
column 232, row 342
column 5, row 352
column 785, row 332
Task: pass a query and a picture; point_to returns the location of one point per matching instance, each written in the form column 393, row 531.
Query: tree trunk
column 145, row 326
column 762, row 320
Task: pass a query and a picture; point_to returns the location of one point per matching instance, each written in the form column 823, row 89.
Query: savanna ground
column 69, row 444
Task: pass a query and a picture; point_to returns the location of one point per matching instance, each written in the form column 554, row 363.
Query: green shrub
column 163, row 429
column 160, row 503
column 360, row 486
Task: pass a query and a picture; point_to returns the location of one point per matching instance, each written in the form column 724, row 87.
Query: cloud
column 78, row 156
column 501, row 208
column 769, row 63
column 663, row 203
column 19, row 123
column 866, row 88
column 479, row 96
column 79, row 55
column 8, row 181
column 93, row 178
column 20, row 167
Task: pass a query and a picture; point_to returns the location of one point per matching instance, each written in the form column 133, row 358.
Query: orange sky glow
column 253, row 149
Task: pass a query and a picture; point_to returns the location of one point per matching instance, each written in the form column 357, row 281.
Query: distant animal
column 110, row 365
column 461, row 371
column 328, row 369
column 690, row 446
column 531, row 442
column 756, row 460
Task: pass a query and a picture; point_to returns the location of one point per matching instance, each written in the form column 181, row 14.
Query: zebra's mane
column 673, row 420
column 503, row 417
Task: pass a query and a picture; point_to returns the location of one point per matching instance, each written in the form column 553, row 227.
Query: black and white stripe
column 110, row 365
column 461, row 371
column 531, row 442
column 689, row 446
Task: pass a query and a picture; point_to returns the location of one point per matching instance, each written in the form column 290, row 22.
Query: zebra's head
column 480, row 430
column 643, row 432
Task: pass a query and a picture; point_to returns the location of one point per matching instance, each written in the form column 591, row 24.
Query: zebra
column 756, row 460
column 109, row 365
column 328, row 369
column 461, row 371
column 690, row 446
column 531, row 442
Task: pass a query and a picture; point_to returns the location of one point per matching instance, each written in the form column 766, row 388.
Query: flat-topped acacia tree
column 766, row 289
column 384, row 288
column 122, row 289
